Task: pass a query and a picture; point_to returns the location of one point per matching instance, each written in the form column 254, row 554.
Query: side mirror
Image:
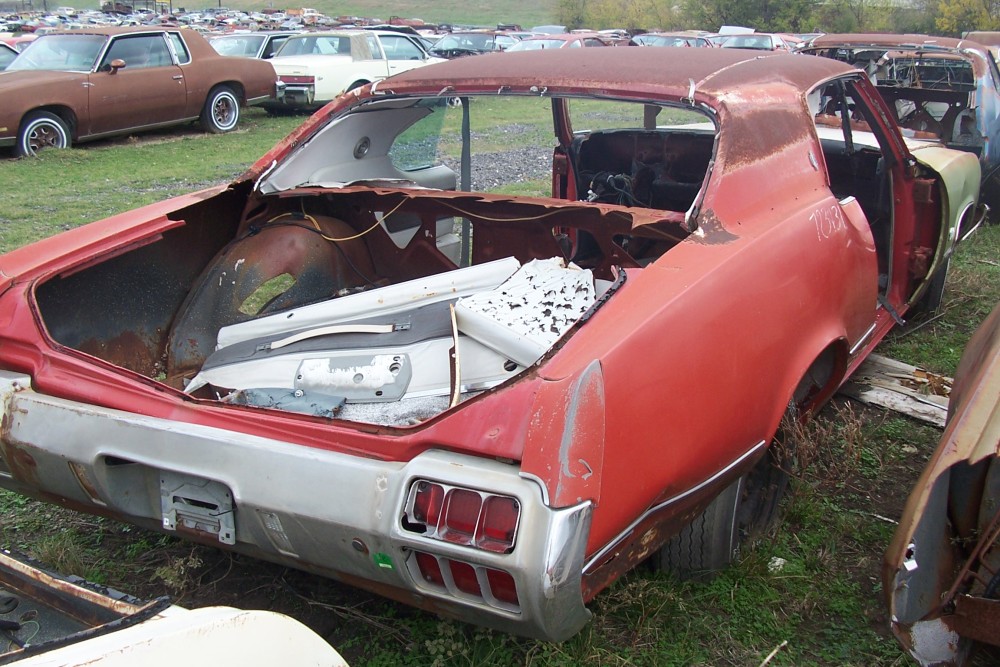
column 115, row 65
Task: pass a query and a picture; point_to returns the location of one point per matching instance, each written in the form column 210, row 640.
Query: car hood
column 20, row 80
column 302, row 64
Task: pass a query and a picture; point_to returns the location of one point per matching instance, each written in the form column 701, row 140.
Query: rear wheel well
column 750, row 503
column 821, row 379
column 236, row 87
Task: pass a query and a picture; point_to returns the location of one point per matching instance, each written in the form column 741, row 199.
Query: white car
column 316, row 67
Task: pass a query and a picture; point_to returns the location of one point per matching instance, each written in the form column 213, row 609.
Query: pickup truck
column 317, row 67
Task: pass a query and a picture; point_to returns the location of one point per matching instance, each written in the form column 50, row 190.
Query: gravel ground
column 492, row 170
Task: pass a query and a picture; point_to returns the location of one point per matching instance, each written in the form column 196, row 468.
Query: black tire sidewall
column 39, row 119
column 208, row 113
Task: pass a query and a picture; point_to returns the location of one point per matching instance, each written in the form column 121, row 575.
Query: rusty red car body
column 393, row 417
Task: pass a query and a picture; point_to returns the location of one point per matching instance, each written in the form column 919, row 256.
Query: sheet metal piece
column 367, row 378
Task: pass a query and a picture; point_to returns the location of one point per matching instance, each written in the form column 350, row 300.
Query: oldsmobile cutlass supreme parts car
column 92, row 83
column 938, row 88
column 490, row 405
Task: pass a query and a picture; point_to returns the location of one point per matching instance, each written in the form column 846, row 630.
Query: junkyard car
column 260, row 44
column 759, row 41
column 670, row 39
column 316, row 67
column 91, row 83
column 7, row 55
column 560, row 41
column 938, row 88
column 301, row 366
column 472, row 43
column 942, row 571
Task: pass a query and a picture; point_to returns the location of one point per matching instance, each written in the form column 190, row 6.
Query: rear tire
column 930, row 303
column 221, row 112
column 40, row 130
column 711, row 542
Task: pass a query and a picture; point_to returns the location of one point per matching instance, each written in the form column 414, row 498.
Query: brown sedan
column 88, row 84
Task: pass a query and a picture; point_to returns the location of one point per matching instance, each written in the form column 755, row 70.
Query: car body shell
column 458, row 44
column 963, row 111
column 940, row 572
column 314, row 74
column 558, row 41
column 758, row 41
column 763, row 290
column 97, row 103
column 671, row 39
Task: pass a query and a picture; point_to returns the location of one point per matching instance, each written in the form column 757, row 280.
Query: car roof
column 854, row 40
column 120, row 30
column 658, row 73
column 562, row 36
column 254, row 33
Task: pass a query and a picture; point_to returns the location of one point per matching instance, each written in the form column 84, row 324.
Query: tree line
column 941, row 17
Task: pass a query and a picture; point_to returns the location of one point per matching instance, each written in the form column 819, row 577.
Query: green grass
column 972, row 290
column 63, row 189
column 825, row 601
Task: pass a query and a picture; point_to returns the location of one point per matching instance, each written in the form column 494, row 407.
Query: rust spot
column 712, row 231
column 977, row 618
column 22, row 464
column 761, row 133
column 920, row 261
column 127, row 350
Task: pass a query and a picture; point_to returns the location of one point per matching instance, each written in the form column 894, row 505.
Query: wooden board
column 900, row 387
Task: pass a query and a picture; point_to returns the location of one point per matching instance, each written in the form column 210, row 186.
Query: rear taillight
column 464, row 576
column 461, row 516
column 468, row 581
column 498, row 523
column 285, row 78
column 427, row 503
column 469, row 517
column 430, row 571
column 502, row 586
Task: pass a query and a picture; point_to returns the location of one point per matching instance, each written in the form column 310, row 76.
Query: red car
column 367, row 359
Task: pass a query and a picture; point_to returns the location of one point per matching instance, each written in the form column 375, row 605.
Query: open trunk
column 355, row 282
column 383, row 328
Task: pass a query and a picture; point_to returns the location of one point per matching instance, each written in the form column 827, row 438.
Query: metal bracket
column 197, row 504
